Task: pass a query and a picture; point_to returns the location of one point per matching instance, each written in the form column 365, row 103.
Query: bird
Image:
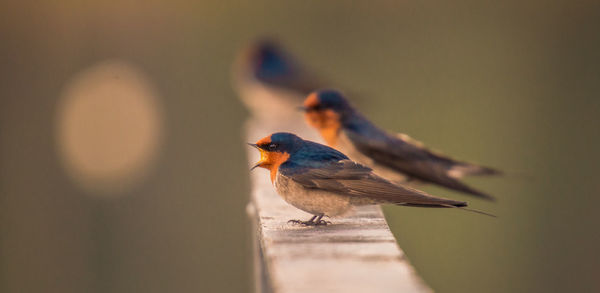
column 322, row 181
column 271, row 83
column 398, row 158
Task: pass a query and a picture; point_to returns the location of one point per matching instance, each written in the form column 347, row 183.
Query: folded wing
column 412, row 158
column 350, row 178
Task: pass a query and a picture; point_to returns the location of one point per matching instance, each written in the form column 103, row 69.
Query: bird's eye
column 272, row 146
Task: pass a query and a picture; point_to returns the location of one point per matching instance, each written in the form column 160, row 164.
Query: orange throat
column 330, row 135
column 272, row 161
column 328, row 124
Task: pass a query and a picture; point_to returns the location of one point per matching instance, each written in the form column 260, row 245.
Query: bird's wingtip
column 478, row 212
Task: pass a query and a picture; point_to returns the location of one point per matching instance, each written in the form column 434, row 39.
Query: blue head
column 283, row 147
column 328, row 99
column 328, row 111
column 269, row 62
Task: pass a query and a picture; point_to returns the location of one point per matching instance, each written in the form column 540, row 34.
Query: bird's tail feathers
column 473, row 211
column 459, row 186
column 460, row 205
column 466, row 169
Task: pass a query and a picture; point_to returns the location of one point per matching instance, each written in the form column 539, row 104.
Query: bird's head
column 268, row 61
column 326, row 110
column 275, row 150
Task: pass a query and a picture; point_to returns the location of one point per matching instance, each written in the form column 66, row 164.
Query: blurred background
column 123, row 168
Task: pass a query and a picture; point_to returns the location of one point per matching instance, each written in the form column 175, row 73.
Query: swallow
column 324, row 182
column 270, row 82
column 396, row 157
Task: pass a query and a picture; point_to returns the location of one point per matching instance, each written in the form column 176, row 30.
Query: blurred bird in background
column 324, row 182
column 271, row 84
column 395, row 157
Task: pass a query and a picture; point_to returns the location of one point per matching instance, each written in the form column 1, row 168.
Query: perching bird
column 394, row 157
column 271, row 83
column 324, row 182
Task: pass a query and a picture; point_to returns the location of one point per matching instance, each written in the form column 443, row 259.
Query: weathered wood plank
column 357, row 253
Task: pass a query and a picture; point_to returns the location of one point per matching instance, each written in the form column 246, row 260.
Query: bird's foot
column 322, row 223
column 310, row 222
column 305, row 223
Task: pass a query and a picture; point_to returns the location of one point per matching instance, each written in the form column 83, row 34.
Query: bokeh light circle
column 109, row 127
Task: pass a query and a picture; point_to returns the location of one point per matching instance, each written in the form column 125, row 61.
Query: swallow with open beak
column 271, row 83
column 395, row 157
column 324, row 182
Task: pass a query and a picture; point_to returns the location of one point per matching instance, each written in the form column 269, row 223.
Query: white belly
column 312, row 201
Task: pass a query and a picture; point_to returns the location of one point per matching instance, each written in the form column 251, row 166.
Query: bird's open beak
column 257, row 165
column 261, row 156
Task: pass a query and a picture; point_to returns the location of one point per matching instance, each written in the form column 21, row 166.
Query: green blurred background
column 511, row 84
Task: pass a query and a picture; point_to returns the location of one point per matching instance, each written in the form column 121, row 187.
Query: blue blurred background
column 123, row 168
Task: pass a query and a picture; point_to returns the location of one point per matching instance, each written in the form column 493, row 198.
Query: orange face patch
column 275, row 160
column 270, row 160
column 264, row 140
column 327, row 122
column 311, row 101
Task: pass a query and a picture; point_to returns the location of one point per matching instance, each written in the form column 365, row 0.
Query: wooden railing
column 356, row 253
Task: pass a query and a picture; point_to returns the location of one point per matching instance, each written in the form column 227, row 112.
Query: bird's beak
column 302, row 108
column 261, row 156
column 257, row 165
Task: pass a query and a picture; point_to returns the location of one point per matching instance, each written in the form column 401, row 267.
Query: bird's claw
column 305, row 223
column 310, row 223
column 321, row 223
